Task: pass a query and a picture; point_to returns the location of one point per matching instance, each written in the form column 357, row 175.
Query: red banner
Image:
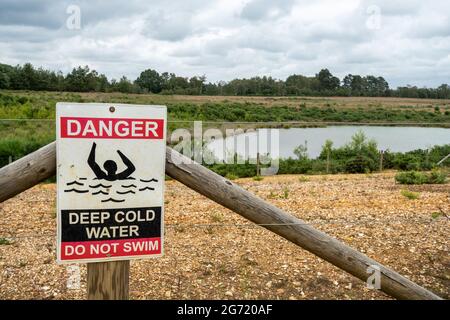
column 109, row 248
column 111, row 128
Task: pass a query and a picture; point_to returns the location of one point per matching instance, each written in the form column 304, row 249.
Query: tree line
column 324, row 83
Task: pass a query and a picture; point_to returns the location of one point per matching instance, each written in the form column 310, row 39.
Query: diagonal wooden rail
column 41, row 164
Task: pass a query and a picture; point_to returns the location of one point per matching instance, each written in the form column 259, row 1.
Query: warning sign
column 110, row 180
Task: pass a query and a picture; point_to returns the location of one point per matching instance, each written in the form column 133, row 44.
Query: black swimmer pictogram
column 110, row 166
column 119, row 185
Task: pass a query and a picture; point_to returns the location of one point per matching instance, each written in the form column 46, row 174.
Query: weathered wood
column 244, row 203
column 381, row 160
column 255, row 209
column 443, row 159
column 108, row 280
column 24, row 173
column 258, row 171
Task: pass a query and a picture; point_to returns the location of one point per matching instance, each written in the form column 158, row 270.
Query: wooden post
column 328, row 160
column 253, row 208
column 381, row 160
column 108, row 280
column 257, row 164
column 443, row 159
column 25, row 172
column 37, row 166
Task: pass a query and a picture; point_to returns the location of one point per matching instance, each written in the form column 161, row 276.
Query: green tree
column 197, row 84
column 150, row 80
column 82, row 79
column 301, row 151
column 327, row 148
column 124, row 85
column 327, row 81
column 4, row 80
column 356, row 84
column 297, row 84
column 102, row 84
column 443, row 91
column 28, row 76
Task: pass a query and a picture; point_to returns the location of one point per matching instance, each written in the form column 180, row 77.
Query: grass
column 411, row 177
column 20, row 136
column 436, row 215
column 4, row 241
column 231, row 176
column 41, row 105
column 410, row 194
column 415, row 177
column 303, row 179
column 216, row 217
column 285, row 193
column 257, row 178
column 437, row 177
column 300, row 101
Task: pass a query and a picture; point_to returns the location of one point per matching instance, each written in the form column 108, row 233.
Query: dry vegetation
column 337, row 102
column 210, row 252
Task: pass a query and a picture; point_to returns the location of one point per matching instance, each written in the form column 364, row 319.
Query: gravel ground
column 212, row 253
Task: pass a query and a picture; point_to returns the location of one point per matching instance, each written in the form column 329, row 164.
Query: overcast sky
column 407, row 42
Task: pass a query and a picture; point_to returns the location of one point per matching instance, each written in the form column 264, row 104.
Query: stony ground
column 210, row 252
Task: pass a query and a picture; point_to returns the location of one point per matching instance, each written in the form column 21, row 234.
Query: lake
column 396, row 139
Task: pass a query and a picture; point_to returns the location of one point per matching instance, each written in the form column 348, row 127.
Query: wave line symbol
column 76, row 190
column 146, row 188
column 113, row 200
column 100, row 192
column 125, row 192
column 128, row 186
column 74, row 182
column 100, row 185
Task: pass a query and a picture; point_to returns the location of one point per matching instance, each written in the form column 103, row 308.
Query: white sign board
column 110, row 181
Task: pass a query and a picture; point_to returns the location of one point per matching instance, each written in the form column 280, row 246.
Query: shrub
column 409, row 194
column 414, row 177
column 231, row 176
column 216, row 217
column 4, row 241
column 436, row 215
column 285, row 193
column 359, row 164
column 411, row 177
column 437, row 177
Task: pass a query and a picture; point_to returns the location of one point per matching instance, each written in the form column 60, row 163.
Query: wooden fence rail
column 39, row 165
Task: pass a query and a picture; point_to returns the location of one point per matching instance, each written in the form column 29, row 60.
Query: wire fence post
column 381, row 160
column 328, row 160
column 257, row 164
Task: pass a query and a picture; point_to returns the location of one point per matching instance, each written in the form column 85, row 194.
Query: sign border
column 58, row 215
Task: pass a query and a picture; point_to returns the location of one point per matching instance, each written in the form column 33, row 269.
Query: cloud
column 31, row 13
column 404, row 41
column 172, row 26
column 266, row 9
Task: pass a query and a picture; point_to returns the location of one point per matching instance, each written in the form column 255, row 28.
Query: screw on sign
column 110, row 179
